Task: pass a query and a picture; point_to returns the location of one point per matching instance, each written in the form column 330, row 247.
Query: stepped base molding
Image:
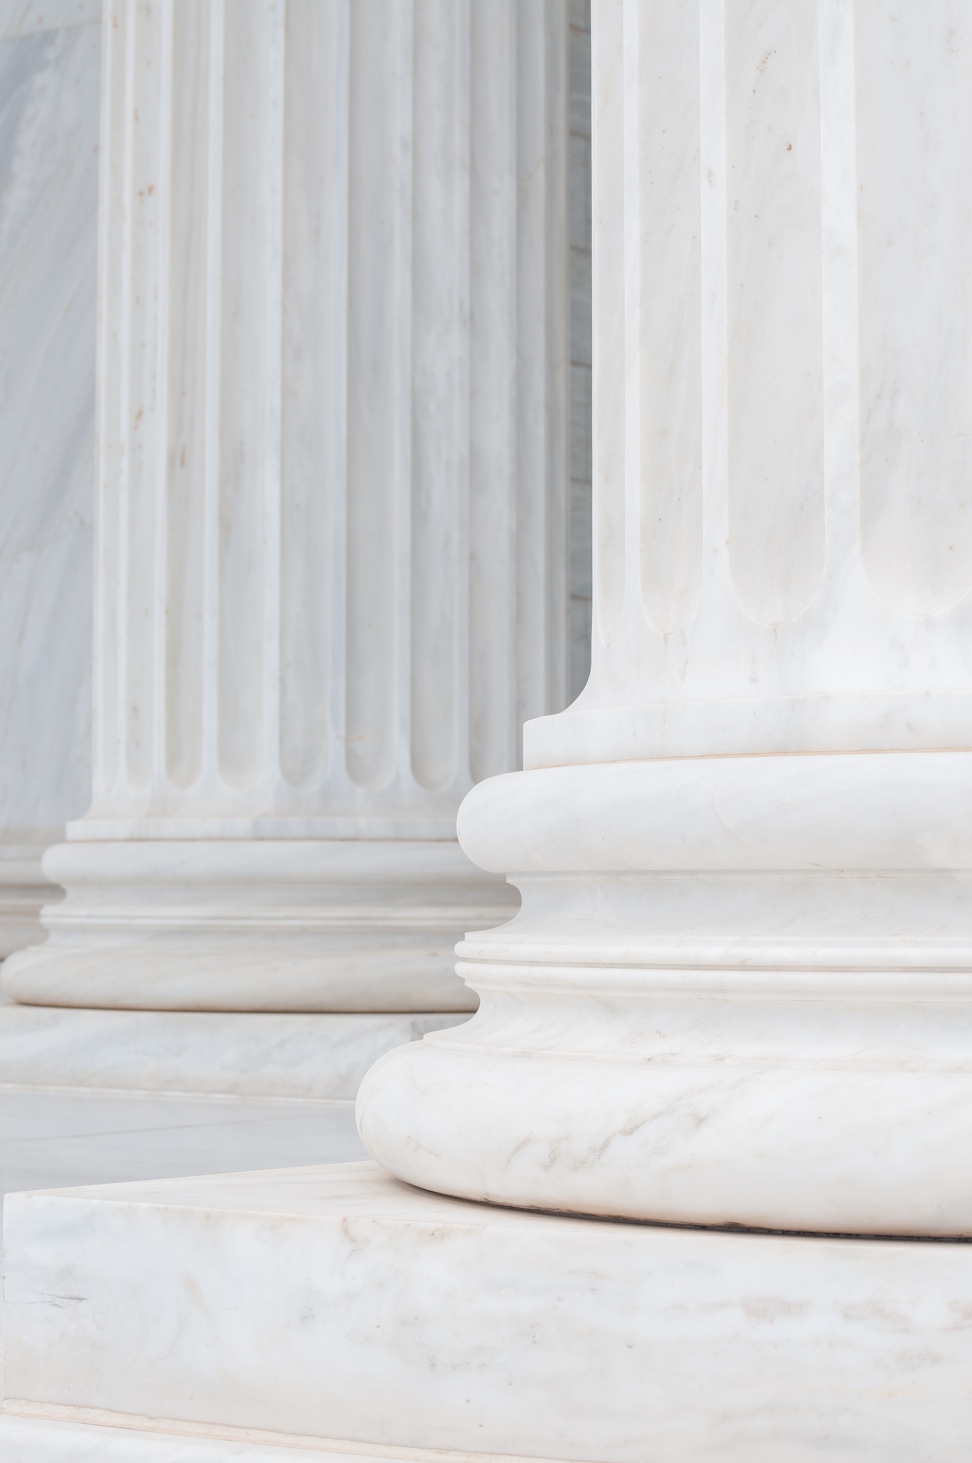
column 738, row 992
column 258, row 925
column 24, row 889
column 201, row 1053
column 307, row 1305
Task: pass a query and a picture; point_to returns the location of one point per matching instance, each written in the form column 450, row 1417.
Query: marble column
column 330, row 569
column 49, row 63
column 739, row 990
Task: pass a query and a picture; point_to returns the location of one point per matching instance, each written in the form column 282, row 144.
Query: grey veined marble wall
column 49, row 79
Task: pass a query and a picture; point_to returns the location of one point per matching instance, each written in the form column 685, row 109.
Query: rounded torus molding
column 257, row 925
column 738, row 992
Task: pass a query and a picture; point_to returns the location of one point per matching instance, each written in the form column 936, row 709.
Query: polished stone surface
column 335, row 1303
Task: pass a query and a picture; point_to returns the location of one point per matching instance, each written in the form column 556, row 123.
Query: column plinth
column 739, row 989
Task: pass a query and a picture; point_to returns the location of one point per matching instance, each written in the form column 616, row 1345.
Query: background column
column 739, row 990
column 48, row 231
column 330, row 576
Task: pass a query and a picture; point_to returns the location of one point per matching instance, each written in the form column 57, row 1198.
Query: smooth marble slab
column 337, row 1303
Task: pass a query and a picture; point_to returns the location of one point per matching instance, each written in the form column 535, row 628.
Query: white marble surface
column 53, row 1138
column 333, row 1303
column 49, row 83
column 356, row 590
column 254, row 1054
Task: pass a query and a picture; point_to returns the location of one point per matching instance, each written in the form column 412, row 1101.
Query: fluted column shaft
column 784, row 395
column 332, row 426
column 739, row 990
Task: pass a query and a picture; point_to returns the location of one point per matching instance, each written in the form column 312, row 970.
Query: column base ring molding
column 296, row 925
column 738, row 993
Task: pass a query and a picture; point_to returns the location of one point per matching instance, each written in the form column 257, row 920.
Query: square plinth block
column 334, row 1309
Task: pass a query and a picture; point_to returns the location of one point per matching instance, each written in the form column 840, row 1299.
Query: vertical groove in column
column 776, row 493
column 341, row 239
column 713, row 336
column 553, row 387
column 115, row 123
column 273, row 203
column 841, row 313
column 669, row 315
column 186, row 465
column 439, row 465
column 374, row 344
column 915, row 220
column 246, row 375
column 313, row 422
column 145, row 391
column 399, row 768
column 160, row 412
column 493, row 388
column 608, row 251
column 212, row 396
column 541, row 355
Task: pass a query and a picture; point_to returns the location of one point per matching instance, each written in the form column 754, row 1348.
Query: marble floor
column 53, row 1139
column 50, row 1139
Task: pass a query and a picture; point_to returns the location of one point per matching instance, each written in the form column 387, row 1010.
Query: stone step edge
column 174, row 1430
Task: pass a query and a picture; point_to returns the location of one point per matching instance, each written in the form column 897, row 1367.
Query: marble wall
column 49, row 79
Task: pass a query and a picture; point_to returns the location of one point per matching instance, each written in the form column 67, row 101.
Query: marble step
column 335, row 1308
column 52, row 1440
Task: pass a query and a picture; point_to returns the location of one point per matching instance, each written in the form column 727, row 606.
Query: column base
column 201, row 1053
column 738, row 992
column 24, row 889
column 301, row 1307
column 298, row 925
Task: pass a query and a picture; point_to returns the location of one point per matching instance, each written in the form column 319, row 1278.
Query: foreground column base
column 738, row 992
column 335, row 1303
